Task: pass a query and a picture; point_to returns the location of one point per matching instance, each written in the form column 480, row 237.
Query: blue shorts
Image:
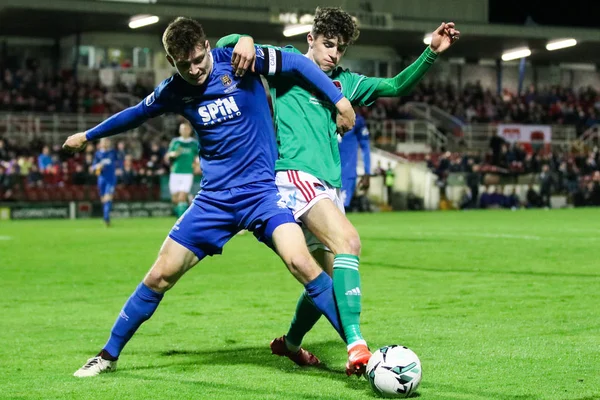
column 215, row 216
column 348, row 187
column 106, row 186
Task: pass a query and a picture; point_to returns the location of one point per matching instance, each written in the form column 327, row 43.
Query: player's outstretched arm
column 403, row 83
column 123, row 121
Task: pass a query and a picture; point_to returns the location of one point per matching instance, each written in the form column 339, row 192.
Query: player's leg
column 306, row 315
column 288, row 241
column 177, row 185
column 202, row 230
column 172, row 262
column 313, row 203
column 348, row 188
column 106, row 190
column 327, row 222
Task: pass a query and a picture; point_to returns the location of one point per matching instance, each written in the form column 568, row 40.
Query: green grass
column 497, row 304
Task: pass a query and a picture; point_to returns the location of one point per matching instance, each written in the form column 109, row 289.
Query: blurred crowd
column 42, row 166
column 29, row 90
column 574, row 174
column 472, row 104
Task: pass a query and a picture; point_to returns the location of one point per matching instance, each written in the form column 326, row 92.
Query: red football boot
column 301, row 357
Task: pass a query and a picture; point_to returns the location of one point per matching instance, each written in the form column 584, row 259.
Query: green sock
column 180, row 208
column 305, row 318
column 346, row 287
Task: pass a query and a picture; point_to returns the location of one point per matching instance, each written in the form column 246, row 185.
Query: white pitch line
column 5, row 237
column 504, row 236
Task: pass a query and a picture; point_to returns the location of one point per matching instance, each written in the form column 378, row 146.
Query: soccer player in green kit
column 309, row 169
column 183, row 156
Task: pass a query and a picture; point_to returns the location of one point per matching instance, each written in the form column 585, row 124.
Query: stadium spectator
column 45, row 160
column 546, row 185
column 34, row 177
column 534, row 200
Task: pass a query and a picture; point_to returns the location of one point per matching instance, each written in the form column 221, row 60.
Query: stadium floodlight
column 427, row 39
column 138, row 21
column 133, row 1
column 293, row 30
column 560, row 44
column 516, row 53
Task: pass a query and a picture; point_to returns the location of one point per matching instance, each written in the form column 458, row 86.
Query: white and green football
column 394, row 371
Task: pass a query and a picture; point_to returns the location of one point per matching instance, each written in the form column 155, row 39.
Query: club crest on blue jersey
column 219, row 111
column 226, row 80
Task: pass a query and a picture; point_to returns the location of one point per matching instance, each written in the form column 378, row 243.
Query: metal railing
column 389, row 134
column 23, row 128
column 440, row 118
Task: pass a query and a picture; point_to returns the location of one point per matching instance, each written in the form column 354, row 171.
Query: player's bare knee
column 162, row 276
column 303, row 267
column 353, row 244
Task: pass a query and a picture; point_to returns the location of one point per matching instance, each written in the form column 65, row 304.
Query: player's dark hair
column 182, row 36
column 333, row 22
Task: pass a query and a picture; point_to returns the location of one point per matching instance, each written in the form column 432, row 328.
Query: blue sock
column 106, row 209
column 320, row 291
column 139, row 308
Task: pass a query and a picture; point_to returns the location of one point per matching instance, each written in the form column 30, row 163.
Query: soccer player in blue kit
column 237, row 147
column 349, row 144
column 104, row 165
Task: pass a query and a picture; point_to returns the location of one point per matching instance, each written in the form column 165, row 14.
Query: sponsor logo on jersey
column 226, row 80
column 150, row 99
column 259, row 52
column 187, row 99
column 219, row 111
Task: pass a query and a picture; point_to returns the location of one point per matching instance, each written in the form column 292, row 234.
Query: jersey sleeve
column 272, row 61
column 172, row 145
column 160, row 101
column 359, row 89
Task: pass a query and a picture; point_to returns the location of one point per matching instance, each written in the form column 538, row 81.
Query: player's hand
column 346, row 117
column 443, row 37
column 365, row 181
column 75, row 143
column 244, row 55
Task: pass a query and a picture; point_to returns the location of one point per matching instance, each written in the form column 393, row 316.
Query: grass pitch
column 497, row 304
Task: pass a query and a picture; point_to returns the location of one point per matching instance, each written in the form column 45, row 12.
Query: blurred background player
column 349, row 144
column 182, row 155
column 309, row 168
column 104, row 166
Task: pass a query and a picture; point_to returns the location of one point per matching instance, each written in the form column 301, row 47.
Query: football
column 394, row 371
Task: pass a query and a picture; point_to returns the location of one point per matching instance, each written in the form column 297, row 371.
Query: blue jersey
column 106, row 161
column 358, row 136
column 231, row 118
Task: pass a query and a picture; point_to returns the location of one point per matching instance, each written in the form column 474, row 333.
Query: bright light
column 293, row 30
column 517, row 53
column 560, row 44
column 134, row 1
column 142, row 20
column 427, row 39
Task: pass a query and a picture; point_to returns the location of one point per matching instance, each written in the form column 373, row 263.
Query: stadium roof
column 60, row 18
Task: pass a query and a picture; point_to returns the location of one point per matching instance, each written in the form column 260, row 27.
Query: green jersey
column 305, row 122
column 187, row 150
